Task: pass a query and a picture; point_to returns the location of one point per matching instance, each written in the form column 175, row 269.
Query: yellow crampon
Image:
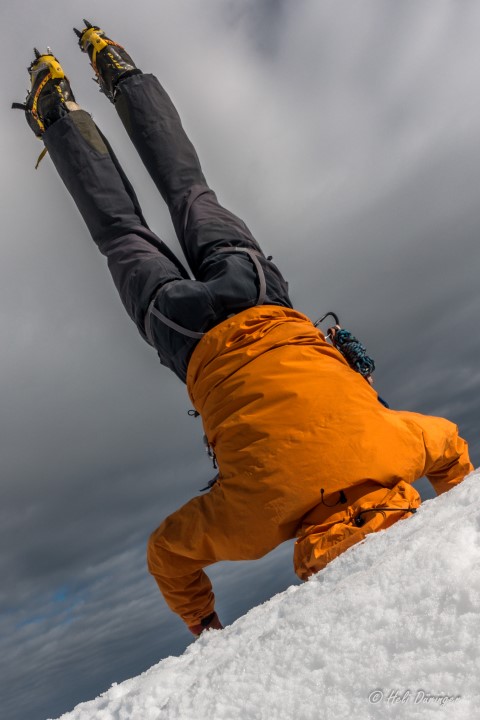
column 97, row 42
column 55, row 71
column 93, row 37
column 47, row 60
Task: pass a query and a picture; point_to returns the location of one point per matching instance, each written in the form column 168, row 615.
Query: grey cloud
column 347, row 138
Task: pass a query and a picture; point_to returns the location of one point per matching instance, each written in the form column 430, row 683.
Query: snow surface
column 392, row 618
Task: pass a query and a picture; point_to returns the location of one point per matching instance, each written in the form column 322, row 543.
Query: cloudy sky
column 347, row 135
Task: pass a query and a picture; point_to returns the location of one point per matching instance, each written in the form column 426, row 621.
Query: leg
column 140, row 263
column 202, row 225
column 155, row 129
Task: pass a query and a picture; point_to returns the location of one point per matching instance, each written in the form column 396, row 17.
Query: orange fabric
column 287, row 417
column 326, row 532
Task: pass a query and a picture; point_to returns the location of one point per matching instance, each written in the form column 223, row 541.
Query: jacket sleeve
column 227, row 523
column 446, row 454
column 177, row 553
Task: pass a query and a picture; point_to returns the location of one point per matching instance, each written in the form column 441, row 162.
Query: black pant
column 143, row 268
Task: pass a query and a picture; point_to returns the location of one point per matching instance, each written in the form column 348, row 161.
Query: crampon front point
column 109, row 60
column 49, row 92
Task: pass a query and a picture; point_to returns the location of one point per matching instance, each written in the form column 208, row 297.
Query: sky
column 347, row 136
column 406, row 647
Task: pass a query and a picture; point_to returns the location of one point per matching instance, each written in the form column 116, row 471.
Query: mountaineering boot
column 109, row 61
column 50, row 96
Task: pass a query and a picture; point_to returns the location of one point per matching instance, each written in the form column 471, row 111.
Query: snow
column 389, row 629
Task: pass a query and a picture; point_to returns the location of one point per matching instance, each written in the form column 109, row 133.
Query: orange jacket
column 287, row 417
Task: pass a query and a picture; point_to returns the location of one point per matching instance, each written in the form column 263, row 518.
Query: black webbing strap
column 152, row 310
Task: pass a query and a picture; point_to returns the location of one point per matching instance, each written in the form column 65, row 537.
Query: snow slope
column 389, row 629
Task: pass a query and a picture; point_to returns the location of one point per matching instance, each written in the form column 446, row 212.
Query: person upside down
column 304, row 448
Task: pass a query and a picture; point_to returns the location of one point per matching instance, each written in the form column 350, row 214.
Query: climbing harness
column 152, row 310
